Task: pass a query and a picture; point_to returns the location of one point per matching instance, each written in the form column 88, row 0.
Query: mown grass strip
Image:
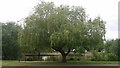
column 36, row 63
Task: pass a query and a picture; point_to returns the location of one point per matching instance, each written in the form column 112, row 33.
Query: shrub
column 29, row 59
column 78, row 59
column 99, row 56
column 112, row 57
column 71, row 59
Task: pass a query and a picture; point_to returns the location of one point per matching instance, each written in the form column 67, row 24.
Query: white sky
column 15, row 10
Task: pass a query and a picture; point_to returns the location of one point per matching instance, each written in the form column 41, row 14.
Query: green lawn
column 36, row 63
column 0, row 62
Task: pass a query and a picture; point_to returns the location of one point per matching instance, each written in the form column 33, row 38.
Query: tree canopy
column 62, row 29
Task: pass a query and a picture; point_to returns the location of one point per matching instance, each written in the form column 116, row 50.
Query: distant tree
column 10, row 46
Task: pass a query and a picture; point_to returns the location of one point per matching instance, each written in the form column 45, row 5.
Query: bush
column 112, row 57
column 74, row 58
column 71, row 59
column 78, row 59
column 29, row 59
column 99, row 56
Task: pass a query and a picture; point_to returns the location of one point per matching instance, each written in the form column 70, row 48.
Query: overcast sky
column 15, row 10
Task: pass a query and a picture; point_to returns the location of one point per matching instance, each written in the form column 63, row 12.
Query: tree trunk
column 39, row 58
column 63, row 58
column 62, row 53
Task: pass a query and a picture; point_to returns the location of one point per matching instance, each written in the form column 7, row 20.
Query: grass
column 0, row 62
column 27, row 63
column 37, row 63
column 94, row 62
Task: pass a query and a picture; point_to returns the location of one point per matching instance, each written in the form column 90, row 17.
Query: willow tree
column 60, row 28
column 34, row 37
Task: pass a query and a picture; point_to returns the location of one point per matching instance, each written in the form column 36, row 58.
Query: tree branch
column 55, row 48
column 68, row 52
